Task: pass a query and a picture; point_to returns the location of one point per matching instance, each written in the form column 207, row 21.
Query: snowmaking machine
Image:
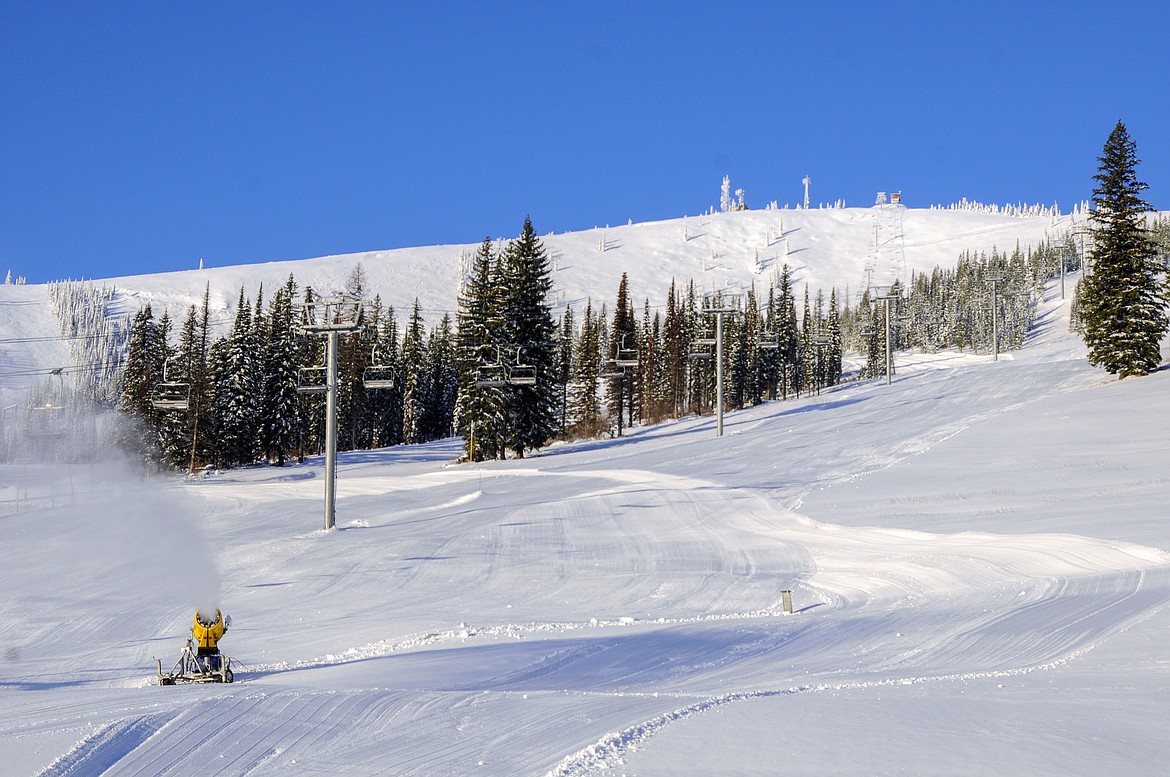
column 200, row 661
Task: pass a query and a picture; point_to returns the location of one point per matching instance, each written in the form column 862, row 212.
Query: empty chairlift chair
column 312, row 380
column 171, row 394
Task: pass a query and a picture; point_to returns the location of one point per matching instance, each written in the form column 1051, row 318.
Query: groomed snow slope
column 976, row 552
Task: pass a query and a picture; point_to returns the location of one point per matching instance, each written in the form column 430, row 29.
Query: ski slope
column 977, row 555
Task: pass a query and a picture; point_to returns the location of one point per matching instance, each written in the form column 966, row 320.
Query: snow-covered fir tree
column 1122, row 298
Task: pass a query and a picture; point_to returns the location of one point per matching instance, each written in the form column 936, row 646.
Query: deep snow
column 977, row 554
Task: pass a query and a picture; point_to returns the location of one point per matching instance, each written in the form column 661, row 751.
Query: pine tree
column 563, row 361
column 622, row 336
column 386, row 404
column 586, row 405
column 240, row 390
column 479, row 412
column 145, row 361
column 788, row 337
column 279, row 430
column 675, row 347
column 442, row 381
column 415, row 387
column 529, row 329
column 1122, row 304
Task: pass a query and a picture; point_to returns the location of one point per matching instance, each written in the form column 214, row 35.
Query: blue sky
column 140, row 137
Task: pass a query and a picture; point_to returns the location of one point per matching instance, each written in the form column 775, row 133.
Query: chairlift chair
column 378, row 376
column 170, row 394
column 312, row 380
column 521, row 375
column 490, row 376
column 626, row 357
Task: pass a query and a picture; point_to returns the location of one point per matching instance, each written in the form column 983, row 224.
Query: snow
column 978, row 557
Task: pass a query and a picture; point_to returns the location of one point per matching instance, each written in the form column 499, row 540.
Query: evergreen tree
column 145, row 362
column 563, row 360
column 479, row 413
column 386, row 404
column 280, row 426
column 676, row 351
column 586, row 404
column 240, row 390
column 788, row 336
column 442, row 381
column 1122, row 298
column 623, row 335
column 415, row 387
column 529, row 328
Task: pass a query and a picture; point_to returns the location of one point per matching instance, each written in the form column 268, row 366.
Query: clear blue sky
column 139, row 137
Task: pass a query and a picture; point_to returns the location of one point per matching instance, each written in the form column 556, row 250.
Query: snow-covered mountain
column 977, row 556
column 843, row 248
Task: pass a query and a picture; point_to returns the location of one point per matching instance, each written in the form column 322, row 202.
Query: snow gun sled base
column 194, row 668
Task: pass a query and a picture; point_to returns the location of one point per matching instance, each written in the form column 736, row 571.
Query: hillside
column 824, row 248
column 978, row 558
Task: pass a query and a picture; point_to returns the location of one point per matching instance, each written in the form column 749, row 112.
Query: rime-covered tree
column 1122, row 298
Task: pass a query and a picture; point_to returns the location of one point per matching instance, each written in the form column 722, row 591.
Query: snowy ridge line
column 508, row 630
column 610, row 750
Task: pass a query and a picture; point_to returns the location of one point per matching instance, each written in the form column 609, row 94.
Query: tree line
column 507, row 375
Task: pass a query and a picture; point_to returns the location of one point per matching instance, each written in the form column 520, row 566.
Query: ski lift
column 378, row 376
column 706, row 336
column 626, row 357
column 312, row 380
column 171, row 394
column 341, row 314
column 491, row 375
column 768, row 340
column 520, row 374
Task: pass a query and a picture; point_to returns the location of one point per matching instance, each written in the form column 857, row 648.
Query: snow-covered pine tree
column 442, row 381
column 414, row 378
column 563, row 361
column 623, row 335
column 280, row 427
column 528, row 326
column 386, row 404
column 479, row 411
column 675, row 350
column 788, row 336
column 240, row 390
column 834, row 346
column 145, row 362
column 1123, row 298
column 585, row 409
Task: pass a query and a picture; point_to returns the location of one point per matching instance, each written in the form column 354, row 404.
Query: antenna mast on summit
column 806, row 182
